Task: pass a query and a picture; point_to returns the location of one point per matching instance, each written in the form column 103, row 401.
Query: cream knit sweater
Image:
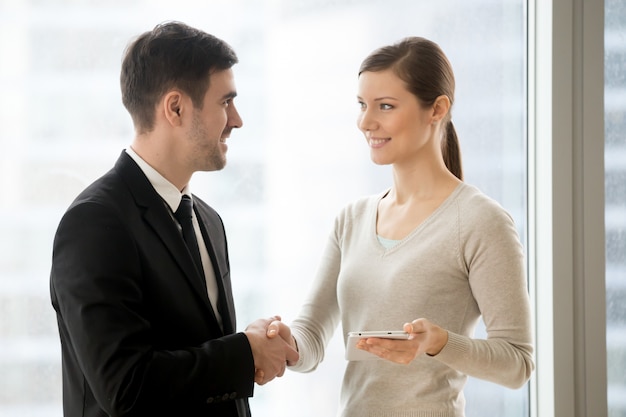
column 463, row 261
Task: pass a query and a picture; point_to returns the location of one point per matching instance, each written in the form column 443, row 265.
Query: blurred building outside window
column 297, row 160
column 615, row 202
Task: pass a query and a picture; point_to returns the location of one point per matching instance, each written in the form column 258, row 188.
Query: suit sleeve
column 98, row 291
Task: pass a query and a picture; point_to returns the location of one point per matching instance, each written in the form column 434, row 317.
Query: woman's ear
column 172, row 105
column 441, row 107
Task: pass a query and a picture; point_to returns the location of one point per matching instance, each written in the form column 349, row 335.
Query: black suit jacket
column 138, row 333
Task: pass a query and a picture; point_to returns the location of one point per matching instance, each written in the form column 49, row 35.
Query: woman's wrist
column 442, row 341
column 294, row 344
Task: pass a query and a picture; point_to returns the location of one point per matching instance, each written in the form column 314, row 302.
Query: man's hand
column 278, row 328
column 271, row 354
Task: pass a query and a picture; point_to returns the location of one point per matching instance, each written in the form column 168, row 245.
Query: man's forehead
column 222, row 82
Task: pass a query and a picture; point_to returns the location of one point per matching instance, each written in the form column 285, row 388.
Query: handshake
column 271, row 354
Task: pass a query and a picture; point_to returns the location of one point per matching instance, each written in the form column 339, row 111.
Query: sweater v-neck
column 416, row 231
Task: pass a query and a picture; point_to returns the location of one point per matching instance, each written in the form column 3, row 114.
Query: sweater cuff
column 457, row 347
column 298, row 366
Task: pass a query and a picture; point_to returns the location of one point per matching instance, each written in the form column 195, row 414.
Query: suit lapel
column 171, row 237
column 158, row 216
column 225, row 301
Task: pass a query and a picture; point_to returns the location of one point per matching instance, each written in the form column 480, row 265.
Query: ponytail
column 452, row 152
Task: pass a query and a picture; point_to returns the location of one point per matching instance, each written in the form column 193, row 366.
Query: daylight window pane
column 615, row 200
column 298, row 159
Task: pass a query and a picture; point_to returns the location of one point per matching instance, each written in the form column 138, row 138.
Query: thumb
column 273, row 329
column 408, row 327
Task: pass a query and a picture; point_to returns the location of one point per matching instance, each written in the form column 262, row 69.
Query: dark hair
column 428, row 74
column 172, row 55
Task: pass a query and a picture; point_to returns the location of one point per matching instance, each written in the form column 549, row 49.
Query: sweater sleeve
column 493, row 257
column 319, row 315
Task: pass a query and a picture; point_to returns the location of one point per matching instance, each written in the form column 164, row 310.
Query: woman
column 430, row 249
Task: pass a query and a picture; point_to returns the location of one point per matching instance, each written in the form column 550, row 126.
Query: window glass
column 298, row 159
column 615, row 200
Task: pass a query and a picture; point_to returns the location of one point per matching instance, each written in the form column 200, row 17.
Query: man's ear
column 440, row 108
column 172, row 106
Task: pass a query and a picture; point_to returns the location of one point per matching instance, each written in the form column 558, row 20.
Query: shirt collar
column 168, row 191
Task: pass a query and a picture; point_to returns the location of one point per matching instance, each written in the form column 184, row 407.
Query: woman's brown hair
column 428, row 74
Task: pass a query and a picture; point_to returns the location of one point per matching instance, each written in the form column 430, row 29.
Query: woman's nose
column 365, row 121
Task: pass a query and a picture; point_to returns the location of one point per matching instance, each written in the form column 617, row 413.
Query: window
column 298, row 159
column 615, row 200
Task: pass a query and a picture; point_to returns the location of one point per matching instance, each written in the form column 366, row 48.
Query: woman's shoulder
column 358, row 213
column 477, row 206
column 471, row 196
column 482, row 219
column 362, row 205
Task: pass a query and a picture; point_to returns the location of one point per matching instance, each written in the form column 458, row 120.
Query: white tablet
column 355, row 354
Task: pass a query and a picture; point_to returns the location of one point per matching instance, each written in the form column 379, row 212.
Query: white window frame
column 566, row 206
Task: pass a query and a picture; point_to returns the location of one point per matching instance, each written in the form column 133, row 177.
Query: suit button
column 233, row 395
column 209, row 400
column 225, row 397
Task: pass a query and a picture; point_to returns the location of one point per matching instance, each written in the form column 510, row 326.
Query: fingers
column 431, row 337
column 276, row 328
column 292, row 356
column 259, row 377
column 416, row 326
column 262, row 378
column 271, row 354
column 408, row 327
column 398, row 351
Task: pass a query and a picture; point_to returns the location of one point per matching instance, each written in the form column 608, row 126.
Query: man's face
column 212, row 124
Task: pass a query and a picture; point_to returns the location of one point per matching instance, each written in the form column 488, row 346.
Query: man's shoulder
column 120, row 182
column 208, row 212
column 103, row 189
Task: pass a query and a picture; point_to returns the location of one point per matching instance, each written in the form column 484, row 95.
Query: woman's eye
column 361, row 105
column 385, row 106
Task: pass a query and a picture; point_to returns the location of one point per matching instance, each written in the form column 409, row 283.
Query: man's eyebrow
column 229, row 95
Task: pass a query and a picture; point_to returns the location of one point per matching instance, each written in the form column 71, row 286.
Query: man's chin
column 215, row 166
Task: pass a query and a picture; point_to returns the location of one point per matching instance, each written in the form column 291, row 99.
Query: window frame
column 566, row 206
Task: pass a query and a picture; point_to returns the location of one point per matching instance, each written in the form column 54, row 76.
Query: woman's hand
column 278, row 328
column 424, row 337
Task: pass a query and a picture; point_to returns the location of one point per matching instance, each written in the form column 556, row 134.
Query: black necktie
column 183, row 215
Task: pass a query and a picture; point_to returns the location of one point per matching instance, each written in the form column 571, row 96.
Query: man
column 145, row 330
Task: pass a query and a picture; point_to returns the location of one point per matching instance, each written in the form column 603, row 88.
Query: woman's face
column 396, row 126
